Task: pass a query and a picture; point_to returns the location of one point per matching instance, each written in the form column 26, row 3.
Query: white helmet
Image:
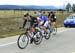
column 38, row 18
column 26, row 13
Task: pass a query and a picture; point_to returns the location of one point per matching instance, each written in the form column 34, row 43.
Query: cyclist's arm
column 24, row 23
column 41, row 23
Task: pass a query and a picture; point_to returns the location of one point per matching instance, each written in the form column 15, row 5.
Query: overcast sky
column 36, row 2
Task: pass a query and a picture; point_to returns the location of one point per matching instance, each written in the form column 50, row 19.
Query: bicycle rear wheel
column 23, row 41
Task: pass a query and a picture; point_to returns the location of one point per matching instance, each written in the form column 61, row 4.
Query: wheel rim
column 47, row 36
column 23, row 41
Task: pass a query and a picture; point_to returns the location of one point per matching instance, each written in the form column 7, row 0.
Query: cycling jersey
column 44, row 18
column 33, row 21
column 53, row 18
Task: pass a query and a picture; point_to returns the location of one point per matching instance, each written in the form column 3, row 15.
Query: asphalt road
column 63, row 42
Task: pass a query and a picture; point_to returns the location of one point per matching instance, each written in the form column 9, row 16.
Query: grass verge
column 11, row 34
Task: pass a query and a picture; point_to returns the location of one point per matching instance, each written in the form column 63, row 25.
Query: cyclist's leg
column 54, row 23
column 50, row 27
column 54, row 26
column 46, row 25
column 31, row 34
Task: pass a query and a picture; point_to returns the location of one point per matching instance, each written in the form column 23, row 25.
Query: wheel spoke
column 23, row 41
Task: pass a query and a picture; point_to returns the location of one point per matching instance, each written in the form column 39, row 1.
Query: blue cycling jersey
column 44, row 18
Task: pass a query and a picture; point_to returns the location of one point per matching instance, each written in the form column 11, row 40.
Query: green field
column 11, row 20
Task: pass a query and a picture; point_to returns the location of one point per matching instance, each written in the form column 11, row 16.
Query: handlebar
column 26, row 29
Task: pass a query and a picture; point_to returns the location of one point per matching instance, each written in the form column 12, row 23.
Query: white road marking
column 7, row 44
column 62, row 31
column 16, row 41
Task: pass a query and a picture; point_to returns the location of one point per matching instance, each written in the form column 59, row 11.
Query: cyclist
column 33, row 23
column 52, row 18
column 44, row 22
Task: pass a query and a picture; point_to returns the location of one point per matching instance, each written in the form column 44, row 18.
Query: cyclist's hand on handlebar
column 21, row 28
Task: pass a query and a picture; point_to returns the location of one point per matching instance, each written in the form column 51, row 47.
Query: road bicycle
column 25, row 38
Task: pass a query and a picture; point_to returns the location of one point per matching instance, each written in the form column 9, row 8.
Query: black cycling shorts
column 53, row 20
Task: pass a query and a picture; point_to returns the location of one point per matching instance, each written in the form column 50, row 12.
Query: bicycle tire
column 48, row 36
column 18, row 41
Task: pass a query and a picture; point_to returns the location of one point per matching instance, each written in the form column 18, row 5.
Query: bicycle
column 24, row 38
column 48, row 33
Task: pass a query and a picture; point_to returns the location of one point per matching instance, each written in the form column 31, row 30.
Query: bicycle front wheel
column 23, row 41
column 48, row 35
column 38, row 38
